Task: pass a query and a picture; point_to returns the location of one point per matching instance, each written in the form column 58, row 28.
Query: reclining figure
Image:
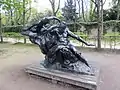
column 53, row 41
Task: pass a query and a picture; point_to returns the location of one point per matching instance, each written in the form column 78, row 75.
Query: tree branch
column 94, row 2
column 51, row 1
column 28, row 10
column 58, row 7
column 103, row 3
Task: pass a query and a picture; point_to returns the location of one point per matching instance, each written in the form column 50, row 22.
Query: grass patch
column 112, row 34
column 81, row 34
column 13, row 35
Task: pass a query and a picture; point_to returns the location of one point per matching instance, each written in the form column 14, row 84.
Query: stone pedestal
column 86, row 81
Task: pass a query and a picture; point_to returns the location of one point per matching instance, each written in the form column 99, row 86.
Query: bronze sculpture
column 53, row 41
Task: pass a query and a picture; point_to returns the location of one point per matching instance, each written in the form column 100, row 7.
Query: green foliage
column 112, row 34
column 112, row 23
column 110, row 14
column 59, row 15
column 13, row 29
column 38, row 16
column 47, row 12
column 13, row 10
column 69, row 10
column 81, row 34
column 12, row 34
column 4, row 19
column 91, row 11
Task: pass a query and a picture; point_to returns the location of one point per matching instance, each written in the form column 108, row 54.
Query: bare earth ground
column 14, row 58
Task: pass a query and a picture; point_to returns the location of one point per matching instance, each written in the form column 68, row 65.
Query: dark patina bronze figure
column 53, row 41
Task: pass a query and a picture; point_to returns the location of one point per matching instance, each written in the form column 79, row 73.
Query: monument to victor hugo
column 52, row 36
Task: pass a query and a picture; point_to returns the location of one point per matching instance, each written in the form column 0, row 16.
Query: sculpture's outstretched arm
column 78, row 38
column 29, row 31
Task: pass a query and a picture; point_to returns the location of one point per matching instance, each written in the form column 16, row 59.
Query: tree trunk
column 101, row 17
column 118, row 10
column 78, row 1
column 83, row 10
column 52, row 2
column 1, row 37
column 53, row 9
column 24, row 18
column 11, row 19
column 99, row 24
column 91, row 11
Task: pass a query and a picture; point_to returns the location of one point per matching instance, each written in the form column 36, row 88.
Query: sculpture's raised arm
column 46, row 20
column 50, row 18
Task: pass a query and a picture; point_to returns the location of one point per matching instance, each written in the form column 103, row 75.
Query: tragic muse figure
column 53, row 41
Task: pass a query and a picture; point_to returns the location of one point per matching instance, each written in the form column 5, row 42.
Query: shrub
column 12, row 34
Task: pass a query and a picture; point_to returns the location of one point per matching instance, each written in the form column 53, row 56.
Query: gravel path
column 16, row 57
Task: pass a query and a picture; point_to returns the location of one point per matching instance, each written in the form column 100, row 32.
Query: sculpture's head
column 63, row 27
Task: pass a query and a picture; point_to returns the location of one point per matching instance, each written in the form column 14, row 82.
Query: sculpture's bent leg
column 78, row 55
column 80, row 58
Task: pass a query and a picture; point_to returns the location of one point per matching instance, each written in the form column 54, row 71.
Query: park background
column 96, row 21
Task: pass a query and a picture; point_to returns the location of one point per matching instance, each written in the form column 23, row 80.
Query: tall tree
column 110, row 14
column 1, row 38
column 14, row 10
column 79, row 8
column 117, row 3
column 24, row 18
column 37, row 16
column 83, row 12
column 17, row 11
column 99, row 6
column 91, row 16
column 53, row 5
column 99, row 23
column 69, row 11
